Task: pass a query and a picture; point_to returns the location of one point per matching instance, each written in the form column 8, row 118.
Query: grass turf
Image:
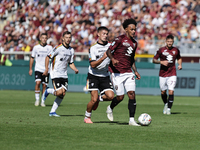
column 26, row 127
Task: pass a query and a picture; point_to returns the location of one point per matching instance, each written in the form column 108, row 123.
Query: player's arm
column 164, row 62
column 109, row 54
column 135, row 71
column 73, row 67
column 45, row 73
column 31, row 65
column 94, row 64
column 179, row 63
column 156, row 61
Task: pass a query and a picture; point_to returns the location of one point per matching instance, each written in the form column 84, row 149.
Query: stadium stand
column 21, row 22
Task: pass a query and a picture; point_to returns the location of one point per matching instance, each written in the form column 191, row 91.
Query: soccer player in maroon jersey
column 121, row 53
column 167, row 75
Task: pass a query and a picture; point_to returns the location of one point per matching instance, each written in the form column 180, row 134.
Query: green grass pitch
column 26, row 127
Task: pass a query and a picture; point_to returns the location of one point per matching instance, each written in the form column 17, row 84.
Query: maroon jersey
column 123, row 50
column 170, row 55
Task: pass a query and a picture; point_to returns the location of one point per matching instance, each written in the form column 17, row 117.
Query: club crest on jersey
column 165, row 53
column 116, row 87
column 174, row 52
column 126, row 44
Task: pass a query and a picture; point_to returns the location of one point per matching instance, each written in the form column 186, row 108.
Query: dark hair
column 102, row 28
column 43, row 34
column 170, row 36
column 66, row 32
column 129, row 21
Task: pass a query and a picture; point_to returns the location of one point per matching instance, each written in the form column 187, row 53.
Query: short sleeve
column 53, row 52
column 33, row 54
column 178, row 55
column 115, row 44
column 157, row 55
column 72, row 56
column 92, row 56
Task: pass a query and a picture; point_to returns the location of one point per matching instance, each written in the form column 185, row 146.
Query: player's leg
column 171, row 82
column 43, row 90
column 93, row 84
column 61, row 86
column 90, row 105
column 129, row 85
column 108, row 96
column 117, row 81
column 163, row 88
column 50, row 90
column 106, row 89
column 45, row 81
column 37, row 93
column 57, row 102
column 37, row 87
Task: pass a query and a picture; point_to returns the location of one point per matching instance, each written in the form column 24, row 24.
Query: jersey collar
column 103, row 44
column 44, row 45
column 66, row 47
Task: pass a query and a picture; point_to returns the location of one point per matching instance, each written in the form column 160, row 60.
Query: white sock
column 56, row 104
column 87, row 115
column 131, row 119
column 50, row 91
column 100, row 98
column 109, row 108
column 37, row 96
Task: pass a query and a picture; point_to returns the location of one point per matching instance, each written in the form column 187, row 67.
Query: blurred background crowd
column 22, row 21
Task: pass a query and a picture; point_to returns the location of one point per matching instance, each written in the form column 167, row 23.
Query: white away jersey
column 95, row 53
column 60, row 56
column 40, row 52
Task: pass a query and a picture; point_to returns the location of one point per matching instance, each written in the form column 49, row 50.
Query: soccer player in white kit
column 61, row 56
column 98, row 77
column 39, row 53
column 167, row 75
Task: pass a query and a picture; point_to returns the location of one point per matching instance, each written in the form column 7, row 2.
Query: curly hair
column 129, row 21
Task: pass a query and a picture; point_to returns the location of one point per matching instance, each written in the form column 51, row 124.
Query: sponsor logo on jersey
column 126, row 44
column 165, row 53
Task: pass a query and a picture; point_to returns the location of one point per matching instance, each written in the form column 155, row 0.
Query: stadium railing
column 186, row 50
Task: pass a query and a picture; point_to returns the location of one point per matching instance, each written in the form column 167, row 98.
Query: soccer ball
column 144, row 119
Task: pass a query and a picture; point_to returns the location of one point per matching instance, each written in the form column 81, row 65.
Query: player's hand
column 164, row 62
column 179, row 67
column 137, row 75
column 76, row 71
column 45, row 73
column 115, row 62
column 30, row 72
column 104, row 55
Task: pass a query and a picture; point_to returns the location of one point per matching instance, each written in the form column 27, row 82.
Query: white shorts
column 167, row 83
column 121, row 81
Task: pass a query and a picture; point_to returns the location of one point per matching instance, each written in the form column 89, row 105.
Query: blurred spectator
column 2, row 59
